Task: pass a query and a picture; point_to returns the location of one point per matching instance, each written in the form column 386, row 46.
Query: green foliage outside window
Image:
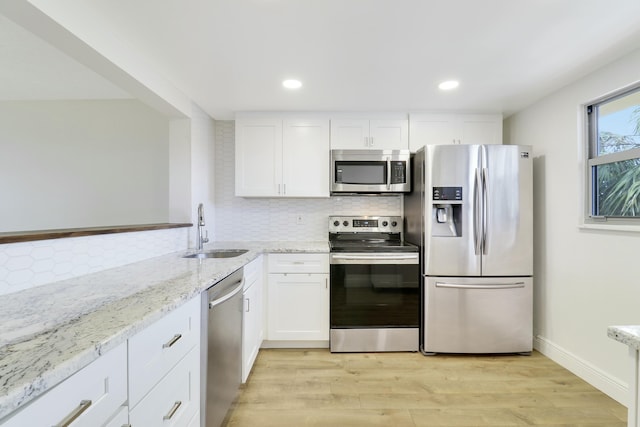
column 617, row 183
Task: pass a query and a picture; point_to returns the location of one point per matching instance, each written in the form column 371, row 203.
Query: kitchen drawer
column 253, row 271
column 298, row 263
column 103, row 383
column 157, row 349
column 120, row 419
column 175, row 400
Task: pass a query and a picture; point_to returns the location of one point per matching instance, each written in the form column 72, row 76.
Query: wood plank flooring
column 313, row 387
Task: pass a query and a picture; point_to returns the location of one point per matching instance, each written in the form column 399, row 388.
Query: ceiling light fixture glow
column 448, row 85
column 292, row 84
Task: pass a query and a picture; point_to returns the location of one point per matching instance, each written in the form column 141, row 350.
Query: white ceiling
column 369, row 55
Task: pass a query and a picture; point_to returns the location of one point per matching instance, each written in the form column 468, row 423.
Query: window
column 614, row 156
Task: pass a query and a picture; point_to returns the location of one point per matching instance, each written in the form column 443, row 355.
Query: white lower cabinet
column 93, row 396
column 158, row 348
column 175, row 400
column 121, row 419
column 253, row 315
column 298, row 298
column 164, row 369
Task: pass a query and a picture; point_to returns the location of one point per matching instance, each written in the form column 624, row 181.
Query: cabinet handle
column 370, row 141
column 66, row 422
column 172, row 341
column 248, row 309
column 278, row 188
column 326, row 283
column 172, row 411
column 284, row 188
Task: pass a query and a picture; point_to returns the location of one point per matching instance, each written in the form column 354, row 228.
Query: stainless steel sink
column 217, row 253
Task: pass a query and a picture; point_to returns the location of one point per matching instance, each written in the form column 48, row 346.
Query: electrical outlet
column 299, row 219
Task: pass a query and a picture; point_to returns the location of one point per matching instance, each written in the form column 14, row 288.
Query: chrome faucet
column 201, row 240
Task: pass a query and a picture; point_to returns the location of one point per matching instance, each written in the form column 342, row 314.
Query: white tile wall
column 30, row 264
column 239, row 218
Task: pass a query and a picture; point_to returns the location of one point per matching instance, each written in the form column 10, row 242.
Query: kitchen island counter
column 630, row 335
column 49, row 332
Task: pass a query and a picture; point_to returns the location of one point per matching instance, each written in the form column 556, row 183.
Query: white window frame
column 590, row 160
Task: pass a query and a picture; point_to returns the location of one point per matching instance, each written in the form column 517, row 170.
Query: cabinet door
column 298, row 307
column 258, row 157
column 252, row 330
column 389, row 135
column 431, row 129
column 305, row 158
column 347, row 134
column 253, row 315
column 479, row 129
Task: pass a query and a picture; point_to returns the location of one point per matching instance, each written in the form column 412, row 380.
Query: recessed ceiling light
column 292, row 84
column 448, row 85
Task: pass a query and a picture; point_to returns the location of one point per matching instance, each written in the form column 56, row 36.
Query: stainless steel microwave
column 370, row 171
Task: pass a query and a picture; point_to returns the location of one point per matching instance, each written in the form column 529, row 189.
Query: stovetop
column 367, row 234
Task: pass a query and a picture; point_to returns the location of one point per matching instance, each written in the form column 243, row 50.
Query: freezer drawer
column 478, row 315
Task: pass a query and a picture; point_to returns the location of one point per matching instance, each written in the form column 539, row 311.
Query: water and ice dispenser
column 446, row 212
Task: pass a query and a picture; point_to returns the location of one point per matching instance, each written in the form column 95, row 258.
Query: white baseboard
column 609, row 385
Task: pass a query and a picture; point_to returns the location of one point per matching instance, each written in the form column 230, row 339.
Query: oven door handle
column 378, row 258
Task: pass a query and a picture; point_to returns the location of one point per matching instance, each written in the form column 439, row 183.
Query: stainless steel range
column 375, row 291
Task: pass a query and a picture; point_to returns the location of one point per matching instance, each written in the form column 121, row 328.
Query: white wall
column 585, row 280
column 69, row 164
column 202, row 169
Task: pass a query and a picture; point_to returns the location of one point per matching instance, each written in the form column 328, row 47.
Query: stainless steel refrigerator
column 471, row 213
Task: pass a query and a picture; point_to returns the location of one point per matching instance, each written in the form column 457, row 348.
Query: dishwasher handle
column 222, row 298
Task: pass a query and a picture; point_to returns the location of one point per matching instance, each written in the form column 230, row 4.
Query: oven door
column 374, row 290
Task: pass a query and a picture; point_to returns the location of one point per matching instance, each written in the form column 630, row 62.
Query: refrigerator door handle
column 476, row 213
column 485, row 210
column 480, row 286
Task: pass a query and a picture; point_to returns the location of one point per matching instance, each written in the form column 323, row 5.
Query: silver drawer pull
column 173, row 410
column 172, row 341
column 83, row 406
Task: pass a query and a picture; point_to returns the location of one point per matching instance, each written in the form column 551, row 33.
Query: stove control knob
column 385, row 223
column 394, row 223
column 336, row 223
column 345, row 223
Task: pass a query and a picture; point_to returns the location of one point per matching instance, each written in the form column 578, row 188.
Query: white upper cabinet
column 279, row 156
column 444, row 128
column 305, row 158
column 369, row 134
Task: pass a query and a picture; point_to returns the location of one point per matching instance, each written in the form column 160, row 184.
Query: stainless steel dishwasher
column 221, row 347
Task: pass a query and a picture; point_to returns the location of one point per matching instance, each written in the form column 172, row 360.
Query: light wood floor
column 317, row 388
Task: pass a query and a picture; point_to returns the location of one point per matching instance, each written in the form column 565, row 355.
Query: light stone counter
column 630, row 335
column 50, row 332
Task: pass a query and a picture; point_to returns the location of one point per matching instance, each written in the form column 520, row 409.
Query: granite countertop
column 629, row 335
column 50, row 332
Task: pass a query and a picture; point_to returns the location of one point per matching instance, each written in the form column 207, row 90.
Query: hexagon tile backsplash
column 30, row 264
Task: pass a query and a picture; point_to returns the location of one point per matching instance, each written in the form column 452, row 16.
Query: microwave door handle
column 388, row 174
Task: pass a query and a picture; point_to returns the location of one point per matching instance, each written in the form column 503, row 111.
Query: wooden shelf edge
column 28, row 236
